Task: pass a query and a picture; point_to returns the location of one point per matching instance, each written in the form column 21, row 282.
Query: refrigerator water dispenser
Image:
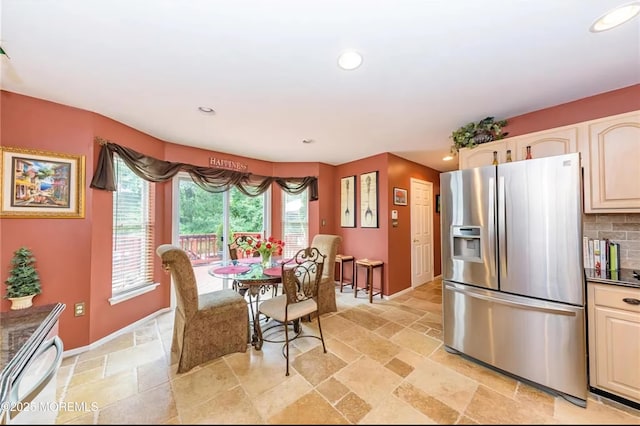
column 466, row 243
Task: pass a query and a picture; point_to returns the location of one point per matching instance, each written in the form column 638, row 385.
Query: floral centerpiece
column 266, row 248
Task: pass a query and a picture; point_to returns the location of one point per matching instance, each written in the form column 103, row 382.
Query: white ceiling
column 269, row 69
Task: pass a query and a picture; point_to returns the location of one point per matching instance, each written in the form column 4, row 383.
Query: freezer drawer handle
column 557, row 311
column 631, row 301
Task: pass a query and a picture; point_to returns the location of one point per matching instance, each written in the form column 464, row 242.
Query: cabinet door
column 617, row 352
column 611, row 158
column 545, row 144
column 614, row 340
column 482, row 155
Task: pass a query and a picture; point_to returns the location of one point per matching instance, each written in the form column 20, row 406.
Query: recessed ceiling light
column 615, row 17
column 206, row 110
column 349, row 60
column 447, row 158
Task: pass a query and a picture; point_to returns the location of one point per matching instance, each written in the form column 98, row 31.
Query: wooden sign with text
column 228, row 164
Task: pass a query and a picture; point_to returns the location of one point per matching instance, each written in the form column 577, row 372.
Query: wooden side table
column 341, row 259
column 370, row 266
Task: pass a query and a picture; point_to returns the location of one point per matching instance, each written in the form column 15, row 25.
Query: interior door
column 421, row 232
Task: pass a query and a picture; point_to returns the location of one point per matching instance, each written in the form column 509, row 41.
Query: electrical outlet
column 79, row 309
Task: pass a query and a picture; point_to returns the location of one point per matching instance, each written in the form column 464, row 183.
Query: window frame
column 120, row 290
column 290, row 250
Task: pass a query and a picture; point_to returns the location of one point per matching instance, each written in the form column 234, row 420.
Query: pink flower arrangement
column 267, row 247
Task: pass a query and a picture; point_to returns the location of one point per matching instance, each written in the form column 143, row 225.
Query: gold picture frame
column 41, row 184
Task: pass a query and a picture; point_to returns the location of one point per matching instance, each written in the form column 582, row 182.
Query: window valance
column 208, row 178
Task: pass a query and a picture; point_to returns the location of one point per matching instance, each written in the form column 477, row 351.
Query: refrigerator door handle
column 491, row 227
column 502, row 227
column 529, row 307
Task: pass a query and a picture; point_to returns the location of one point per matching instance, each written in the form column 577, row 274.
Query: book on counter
column 601, row 254
column 614, row 256
column 596, row 255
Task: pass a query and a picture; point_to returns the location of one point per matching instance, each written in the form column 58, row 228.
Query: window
column 295, row 222
column 133, row 229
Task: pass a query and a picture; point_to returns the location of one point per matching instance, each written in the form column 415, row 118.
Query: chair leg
column 286, row 340
column 321, row 336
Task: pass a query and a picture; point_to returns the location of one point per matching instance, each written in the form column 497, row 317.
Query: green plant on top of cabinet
column 472, row 134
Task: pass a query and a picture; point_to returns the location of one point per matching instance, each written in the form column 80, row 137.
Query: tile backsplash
column 619, row 227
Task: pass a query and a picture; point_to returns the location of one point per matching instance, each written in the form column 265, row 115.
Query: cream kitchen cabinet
column 611, row 161
column 482, row 155
column 558, row 141
column 561, row 140
column 614, row 339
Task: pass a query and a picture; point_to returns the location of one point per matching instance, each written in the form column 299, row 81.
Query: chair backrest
column 235, row 250
column 301, row 276
column 177, row 261
column 328, row 245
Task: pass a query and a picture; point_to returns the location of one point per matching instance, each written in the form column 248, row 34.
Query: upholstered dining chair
column 300, row 281
column 206, row 326
column 328, row 245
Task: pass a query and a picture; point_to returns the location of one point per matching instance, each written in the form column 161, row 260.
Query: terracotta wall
column 371, row 243
column 62, row 247
column 400, row 172
column 386, row 243
column 602, row 105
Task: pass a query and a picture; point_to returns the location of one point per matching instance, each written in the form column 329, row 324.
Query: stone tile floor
column 385, row 364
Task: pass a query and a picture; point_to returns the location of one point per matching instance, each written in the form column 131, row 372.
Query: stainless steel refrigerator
column 513, row 278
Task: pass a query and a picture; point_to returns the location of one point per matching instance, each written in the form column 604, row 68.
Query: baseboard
column 398, row 293
column 126, row 329
column 406, row 290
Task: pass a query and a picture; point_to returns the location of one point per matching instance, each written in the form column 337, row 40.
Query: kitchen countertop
column 622, row 277
column 16, row 327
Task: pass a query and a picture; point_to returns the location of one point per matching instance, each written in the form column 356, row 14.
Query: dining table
column 253, row 280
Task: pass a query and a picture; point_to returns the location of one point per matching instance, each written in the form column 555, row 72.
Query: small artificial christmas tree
column 23, row 278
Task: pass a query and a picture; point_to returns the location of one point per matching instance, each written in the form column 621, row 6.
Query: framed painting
column 41, row 184
column 369, row 200
column 348, row 202
column 399, row 197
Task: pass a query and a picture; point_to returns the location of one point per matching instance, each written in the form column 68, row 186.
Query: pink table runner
column 275, row 271
column 231, row 269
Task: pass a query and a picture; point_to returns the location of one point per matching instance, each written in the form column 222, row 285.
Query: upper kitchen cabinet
column 482, row 155
column 611, row 159
column 558, row 141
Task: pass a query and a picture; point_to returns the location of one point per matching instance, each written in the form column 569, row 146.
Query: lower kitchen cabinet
column 614, row 339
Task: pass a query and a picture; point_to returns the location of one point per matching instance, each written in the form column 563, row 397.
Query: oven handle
column 17, row 405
